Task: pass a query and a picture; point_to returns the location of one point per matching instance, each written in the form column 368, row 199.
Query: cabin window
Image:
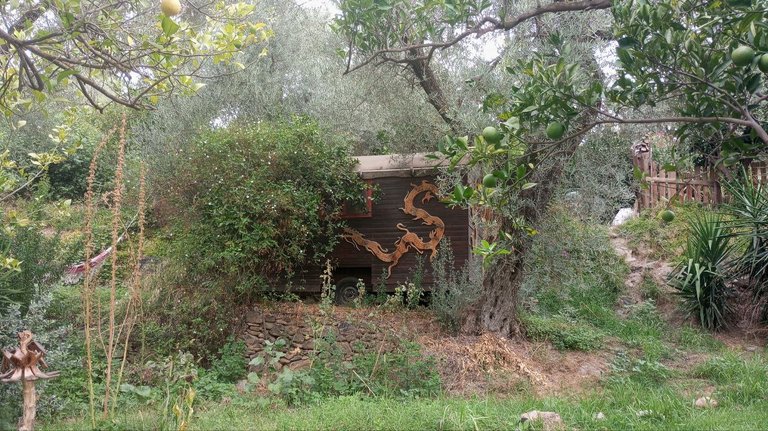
column 359, row 208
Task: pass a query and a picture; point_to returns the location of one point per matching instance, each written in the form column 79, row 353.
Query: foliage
column 42, row 259
column 701, row 277
column 89, row 47
column 573, row 281
column 572, row 264
column 63, row 354
column 403, row 372
column 599, row 180
column 563, row 332
column 260, row 200
column 659, row 240
column 192, row 318
column 230, row 366
column 748, row 205
column 453, row 289
column 741, row 379
column 680, row 51
column 639, row 370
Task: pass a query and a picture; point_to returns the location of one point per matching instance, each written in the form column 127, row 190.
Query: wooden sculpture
column 409, row 240
column 23, row 365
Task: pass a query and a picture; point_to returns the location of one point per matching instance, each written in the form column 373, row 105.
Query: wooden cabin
column 402, row 222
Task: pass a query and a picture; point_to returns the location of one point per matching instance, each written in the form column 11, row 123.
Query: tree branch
column 485, row 25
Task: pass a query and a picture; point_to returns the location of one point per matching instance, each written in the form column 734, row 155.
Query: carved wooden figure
column 23, row 365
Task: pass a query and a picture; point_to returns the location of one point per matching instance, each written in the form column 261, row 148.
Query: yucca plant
column 749, row 207
column 701, row 278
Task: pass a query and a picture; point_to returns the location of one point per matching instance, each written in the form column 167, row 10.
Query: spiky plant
column 701, row 277
column 749, row 207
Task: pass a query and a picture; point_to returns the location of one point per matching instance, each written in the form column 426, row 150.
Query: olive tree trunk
column 496, row 309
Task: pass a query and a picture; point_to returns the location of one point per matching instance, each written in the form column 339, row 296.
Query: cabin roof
column 397, row 165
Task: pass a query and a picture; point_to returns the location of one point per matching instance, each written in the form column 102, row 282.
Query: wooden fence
column 702, row 185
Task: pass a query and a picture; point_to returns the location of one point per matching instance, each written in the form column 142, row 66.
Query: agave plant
column 701, row 278
column 749, row 207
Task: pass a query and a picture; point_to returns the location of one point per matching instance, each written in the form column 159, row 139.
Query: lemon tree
column 115, row 52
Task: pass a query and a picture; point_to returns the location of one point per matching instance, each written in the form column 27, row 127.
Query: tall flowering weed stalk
column 115, row 336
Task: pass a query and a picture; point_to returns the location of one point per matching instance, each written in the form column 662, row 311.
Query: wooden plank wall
column 382, row 227
column 702, row 185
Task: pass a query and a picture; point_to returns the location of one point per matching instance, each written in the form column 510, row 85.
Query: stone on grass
column 550, row 420
column 644, row 413
column 705, row 403
column 599, row 416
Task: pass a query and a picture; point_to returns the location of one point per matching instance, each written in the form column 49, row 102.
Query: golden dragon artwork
column 409, row 240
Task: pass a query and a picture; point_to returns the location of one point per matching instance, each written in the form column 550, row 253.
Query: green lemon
column 492, row 135
column 490, row 181
column 555, row 130
column 667, row 216
column 742, row 55
column 762, row 64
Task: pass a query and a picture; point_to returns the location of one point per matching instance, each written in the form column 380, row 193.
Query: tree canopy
column 114, row 52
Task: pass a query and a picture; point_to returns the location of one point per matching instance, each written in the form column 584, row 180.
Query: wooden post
column 27, row 420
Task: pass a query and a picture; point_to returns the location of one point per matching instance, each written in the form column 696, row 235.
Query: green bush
column 230, row 366
column 599, row 179
column 453, row 289
column 258, row 201
column 573, row 279
column 701, row 278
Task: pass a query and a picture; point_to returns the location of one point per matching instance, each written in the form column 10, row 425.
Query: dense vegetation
column 204, row 206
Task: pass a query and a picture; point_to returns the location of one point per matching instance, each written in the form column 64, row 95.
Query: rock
column 599, row 416
column 269, row 326
column 590, row 370
column 250, row 340
column 302, row 364
column 253, row 316
column 346, row 348
column 644, row 413
column 550, row 420
column 269, row 319
column 705, row 403
column 623, row 216
column 751, row 348
column 242, row 386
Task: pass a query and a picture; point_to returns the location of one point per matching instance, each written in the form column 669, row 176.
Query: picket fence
column 702, row 185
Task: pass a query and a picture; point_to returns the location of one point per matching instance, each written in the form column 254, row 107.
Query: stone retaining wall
column 300, row 325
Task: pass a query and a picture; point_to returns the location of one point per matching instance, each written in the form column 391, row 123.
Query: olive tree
column 675, row 53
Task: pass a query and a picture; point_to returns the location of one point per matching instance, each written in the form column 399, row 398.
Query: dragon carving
column 409, row 240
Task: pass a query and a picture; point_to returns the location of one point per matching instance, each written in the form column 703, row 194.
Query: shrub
column 453, row 290
column 230, row 366
column 599, row 179
column 701, row 277
column 260, row 200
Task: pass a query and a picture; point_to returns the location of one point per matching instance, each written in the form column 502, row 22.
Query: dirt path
column 640, row 268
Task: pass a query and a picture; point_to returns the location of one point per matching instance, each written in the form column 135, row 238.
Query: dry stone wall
column 300, row 325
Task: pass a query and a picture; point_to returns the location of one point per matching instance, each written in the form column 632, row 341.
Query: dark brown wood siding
column 382, row 227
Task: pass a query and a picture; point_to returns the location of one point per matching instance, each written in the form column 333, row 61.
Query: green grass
column 620, row 402
column 661, row 240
